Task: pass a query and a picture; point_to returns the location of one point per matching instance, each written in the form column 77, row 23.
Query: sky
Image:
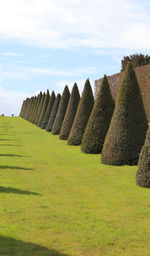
column 46, row 44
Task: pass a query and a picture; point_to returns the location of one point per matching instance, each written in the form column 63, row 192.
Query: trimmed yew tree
column 53, row 113
column 61, row 111
column 40, row 108
column 48, row 111
column 32, row 108
column 83, row 113
column 44, row 108
column 37, row 106
column 128, row 126
column 70, row 113
column 143, row 173
column 99, row 121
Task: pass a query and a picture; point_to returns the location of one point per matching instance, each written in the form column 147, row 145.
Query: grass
column 57, row 201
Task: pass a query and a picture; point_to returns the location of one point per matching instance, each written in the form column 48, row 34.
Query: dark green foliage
column 40, row 108
column 48, row 111
column 53, row 113
column 32, row 108
column 136, row 60
column 128, row 126
column 30, row 105
column 22, row 109
column 44, row 108
column 37, row 107
column 83, row 113
column 99, row 121
column 70, row 113
column 61, row 111
column 143, row 173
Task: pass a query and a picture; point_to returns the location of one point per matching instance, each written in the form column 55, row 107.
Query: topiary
column 128, row 126
column 83, row 113
column 40, row 108
column 48, row 111
column 143, row 173
column 99, row 121
column 70, row 113
column 53, row 113
column 61, row 111
column 44, row 108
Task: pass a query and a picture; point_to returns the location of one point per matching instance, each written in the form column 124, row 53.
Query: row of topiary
column 118, row 132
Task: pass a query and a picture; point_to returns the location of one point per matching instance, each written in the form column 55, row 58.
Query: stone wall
column 143, row 77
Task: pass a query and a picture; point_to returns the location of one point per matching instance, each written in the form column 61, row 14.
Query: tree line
column 117, row 131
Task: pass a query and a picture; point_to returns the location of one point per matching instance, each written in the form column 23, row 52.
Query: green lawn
column 56, row 200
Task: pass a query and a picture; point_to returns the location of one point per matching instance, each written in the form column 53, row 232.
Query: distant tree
column 82, row 115
column 127, row 130
column 70, row 113
column 53, row 113
column 143, row 173
column 99, row 121
column 136, row 60
column 61, row 111
column 48, row 110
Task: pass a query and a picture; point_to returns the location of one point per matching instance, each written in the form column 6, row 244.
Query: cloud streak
column 67, row 24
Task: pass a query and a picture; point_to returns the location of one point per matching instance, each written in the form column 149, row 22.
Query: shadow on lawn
column 5, row 139
column 17, row 191
column 11, row 155
column 15, row 145
column 14, row 167
column 10, row 246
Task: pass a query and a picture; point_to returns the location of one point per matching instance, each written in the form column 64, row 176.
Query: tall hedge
column 70, row 113
column 44, row 108
column 48, row 111
column 99, row 121
column 61, row 111
column 83, row 113
column 53, row 113
column 143, row 173
column 128, row 126
column 40, row 108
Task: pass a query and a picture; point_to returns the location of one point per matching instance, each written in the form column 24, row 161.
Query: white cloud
column 65, row 23
column 11, row 54
column 11, row 101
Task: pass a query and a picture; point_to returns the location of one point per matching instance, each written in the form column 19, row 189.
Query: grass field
column 55, row 200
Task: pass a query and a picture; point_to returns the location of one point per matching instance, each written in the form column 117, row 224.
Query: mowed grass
column 58, row 201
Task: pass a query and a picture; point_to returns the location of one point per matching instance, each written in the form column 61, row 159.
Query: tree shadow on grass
column 17, row 191
column 13, row 247
column 5, row 139
column 11, row 155
column 15, row 145
column 14, row 167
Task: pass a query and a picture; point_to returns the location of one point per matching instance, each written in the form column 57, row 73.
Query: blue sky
column 50, row 43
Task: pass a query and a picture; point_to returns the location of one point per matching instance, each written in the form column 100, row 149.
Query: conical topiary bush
column 37, row 106
column 61, row 111
column 70, row 113
column 143, row 173
column 44, row 108
column 53, row 113
column 40, row 108
column 99, row 121
column 128, row 126
column 83, row 113
column 32, row 108
column 48, row 111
